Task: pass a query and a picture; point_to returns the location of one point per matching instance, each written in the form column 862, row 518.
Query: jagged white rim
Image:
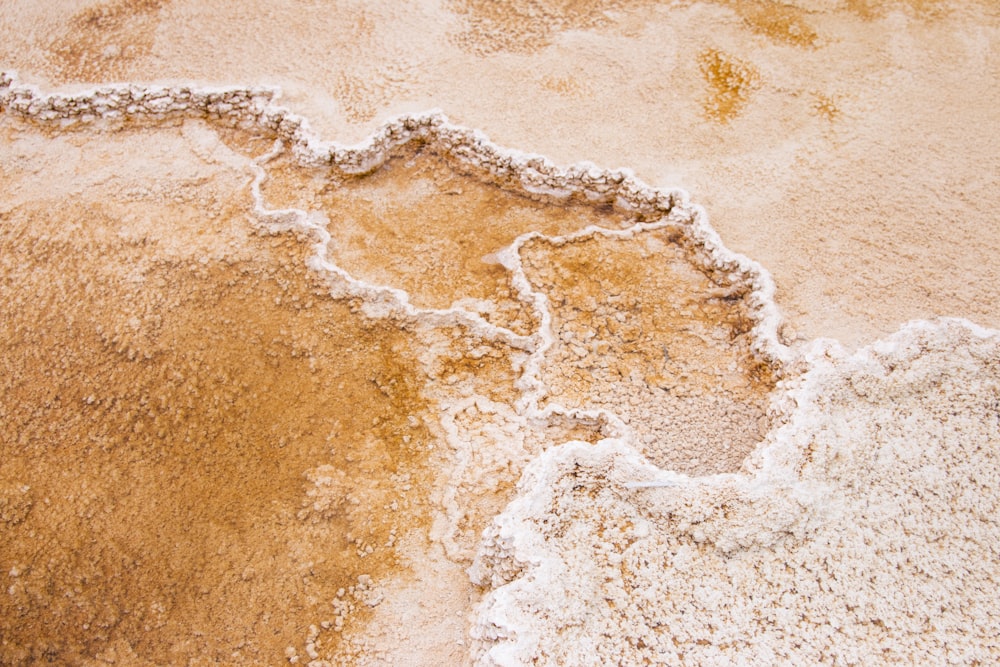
column 773, row 467
column 535, row 174
column 256, row 107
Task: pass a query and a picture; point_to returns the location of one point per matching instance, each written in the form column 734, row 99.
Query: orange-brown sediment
column 643, row 333
column 213, row 430
column 418, row 224
column 171, row 428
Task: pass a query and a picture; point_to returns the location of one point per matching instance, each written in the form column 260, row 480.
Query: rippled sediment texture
column 200, row 446
column 240, row 377
column 269, row 396
column 862, row 530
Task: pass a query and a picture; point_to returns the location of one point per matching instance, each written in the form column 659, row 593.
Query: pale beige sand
column 848, row 147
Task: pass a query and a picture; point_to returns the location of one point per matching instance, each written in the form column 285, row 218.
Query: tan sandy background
column 849, row 147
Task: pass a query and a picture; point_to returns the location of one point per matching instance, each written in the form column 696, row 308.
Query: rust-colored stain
column 419, row 224
column 730, row 82
column 642, row 332
column 525, row 26
column 825, row 106
column 781, row 22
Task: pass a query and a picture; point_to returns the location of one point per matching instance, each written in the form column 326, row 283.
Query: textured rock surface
column 863, row 531
column 261, row 400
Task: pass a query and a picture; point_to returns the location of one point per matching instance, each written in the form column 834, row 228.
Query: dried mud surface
column 216, row 450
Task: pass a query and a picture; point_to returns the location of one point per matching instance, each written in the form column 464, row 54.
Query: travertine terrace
column 295, row 371
column 182, row 408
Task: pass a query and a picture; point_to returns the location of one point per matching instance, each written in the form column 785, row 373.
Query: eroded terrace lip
column 391, row 414
column 485, row 343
